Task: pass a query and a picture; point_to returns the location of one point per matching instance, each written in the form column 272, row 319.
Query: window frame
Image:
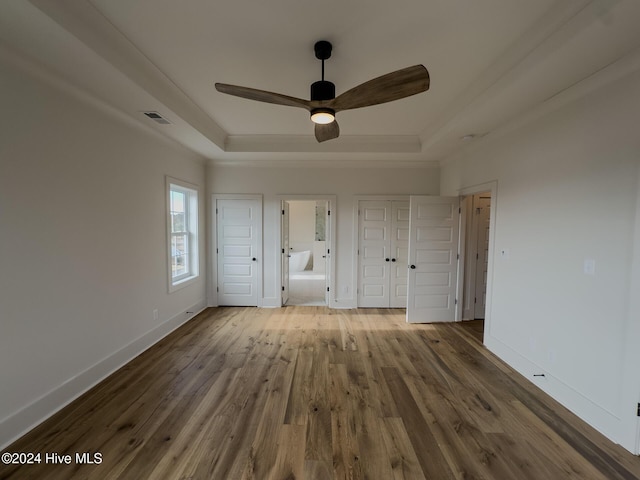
column 191, row 228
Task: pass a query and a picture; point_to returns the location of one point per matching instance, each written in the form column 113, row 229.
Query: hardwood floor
column 475, row 328
column 313, row 393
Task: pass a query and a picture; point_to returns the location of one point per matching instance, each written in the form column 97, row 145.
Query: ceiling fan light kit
column 324, row 104
column 322, row 116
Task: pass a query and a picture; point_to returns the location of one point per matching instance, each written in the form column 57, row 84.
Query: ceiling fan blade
column 263, row 96
column 327, row 131
column 387, row 88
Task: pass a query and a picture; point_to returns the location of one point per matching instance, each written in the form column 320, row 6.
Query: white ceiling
column 489, row 61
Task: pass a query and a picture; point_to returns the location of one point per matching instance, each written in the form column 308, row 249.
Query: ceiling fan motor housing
column 323, row 90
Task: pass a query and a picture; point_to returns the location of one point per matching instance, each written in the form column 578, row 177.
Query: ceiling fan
column 324, row 104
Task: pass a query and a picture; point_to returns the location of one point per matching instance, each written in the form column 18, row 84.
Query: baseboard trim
column 345, row 303
column 595, row 415
column 271, row 302
column 16, row 425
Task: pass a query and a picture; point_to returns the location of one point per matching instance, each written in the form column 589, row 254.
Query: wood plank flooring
column 313, row 393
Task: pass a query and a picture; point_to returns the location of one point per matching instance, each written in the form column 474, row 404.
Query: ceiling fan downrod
column 323, row 89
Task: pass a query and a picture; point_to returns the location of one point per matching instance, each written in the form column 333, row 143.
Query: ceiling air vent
column 156, row 117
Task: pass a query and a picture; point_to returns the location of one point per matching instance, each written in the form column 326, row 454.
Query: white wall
column 345, row 183
column 82, row 246
column 568, row 191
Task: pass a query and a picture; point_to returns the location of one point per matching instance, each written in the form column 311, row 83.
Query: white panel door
column 285, row 252
column 433, row 251
column 237, row 250
column 325, row 258
column 482, row 207
column 383, row 252
column 374, row 255
column 399, row 254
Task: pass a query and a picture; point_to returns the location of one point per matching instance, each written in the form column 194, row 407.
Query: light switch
column 589, row 266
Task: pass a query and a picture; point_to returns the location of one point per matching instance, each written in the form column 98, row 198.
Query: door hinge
column 456, row 301
column 328, row 251
column 459, row 209
column 283, row 250
column 458, row 256
column 327, row 289
column 283, row 212
column 216, row 211
column 217, row 250
column 638, row 411
column 217, row 289
column 283, row 288
column 328, row 213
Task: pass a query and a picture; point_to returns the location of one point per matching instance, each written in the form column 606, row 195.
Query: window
column 182, row 232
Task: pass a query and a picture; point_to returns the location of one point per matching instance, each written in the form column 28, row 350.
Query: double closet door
column 383, row 246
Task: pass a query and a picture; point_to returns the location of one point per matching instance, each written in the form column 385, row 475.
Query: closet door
column 238, row 244
column 399, row 254
column 285, row 252
column 383, row 253
column 433, row 262
column 374, row 256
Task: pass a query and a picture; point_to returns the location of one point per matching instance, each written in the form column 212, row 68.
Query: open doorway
column 477, row 208
column 477, row 220
column 305, row 240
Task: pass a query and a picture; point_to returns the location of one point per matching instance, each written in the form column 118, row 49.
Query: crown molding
column 326, row 163
column 88, row 25
column 627, row 65
column 308, row 143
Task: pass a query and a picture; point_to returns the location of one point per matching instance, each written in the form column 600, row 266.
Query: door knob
column 254, row 259
column 393, row 259
column 386, row 259
column 412, row 267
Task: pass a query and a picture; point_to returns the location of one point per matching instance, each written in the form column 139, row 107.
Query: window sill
column 180, row 284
